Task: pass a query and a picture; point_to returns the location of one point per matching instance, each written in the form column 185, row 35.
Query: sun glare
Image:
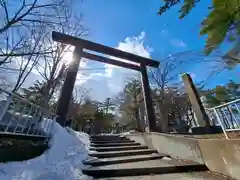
column 67, row 57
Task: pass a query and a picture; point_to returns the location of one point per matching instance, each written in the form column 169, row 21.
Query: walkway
column 116, row 157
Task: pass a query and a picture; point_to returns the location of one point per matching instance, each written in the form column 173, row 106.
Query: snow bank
column 62, row 161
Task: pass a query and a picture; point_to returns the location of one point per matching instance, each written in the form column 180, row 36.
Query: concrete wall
column 219, row 155
column 186, row 148
column 142, row 138
column 177, row 147
column 222, row 156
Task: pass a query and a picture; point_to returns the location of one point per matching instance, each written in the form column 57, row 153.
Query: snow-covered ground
column 62, row 161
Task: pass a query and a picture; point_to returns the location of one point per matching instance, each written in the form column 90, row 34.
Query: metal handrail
column 26, row 101
column 21, row 117
column 226, row 117
column 222, row 105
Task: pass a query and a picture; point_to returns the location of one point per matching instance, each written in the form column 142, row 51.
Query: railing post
column 148, row 99
column 6, row 105
column 51, row 126
column 68, row 86
column 220, row 122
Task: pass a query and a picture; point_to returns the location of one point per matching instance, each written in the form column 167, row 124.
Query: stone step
column 109, row 139
column 103, row 135
column 114, row 144
column 122, row 153
column 118, row 148
column 113, row 141
column 123, row 159
column 173, row 176
column 143, row 168
column 114, row 137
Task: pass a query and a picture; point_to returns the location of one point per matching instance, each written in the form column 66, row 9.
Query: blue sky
column 134, row 26
column 113, row 22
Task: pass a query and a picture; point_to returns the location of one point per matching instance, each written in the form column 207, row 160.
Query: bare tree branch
column 27, row 63
column 54, row 68
column 27, row 14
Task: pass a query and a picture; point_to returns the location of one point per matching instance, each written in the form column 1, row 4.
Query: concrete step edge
column 106, row 139
column 118, row 148
column 108, row 142
column 123, row 153
column 114, row 144
column 100, row 162
column 99, row 173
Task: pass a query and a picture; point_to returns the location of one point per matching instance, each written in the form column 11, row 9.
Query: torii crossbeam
column 81, row 46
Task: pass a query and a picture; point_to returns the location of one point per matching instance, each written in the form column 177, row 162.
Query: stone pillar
column 148, row 99
column 67, row 89
column 201, row 116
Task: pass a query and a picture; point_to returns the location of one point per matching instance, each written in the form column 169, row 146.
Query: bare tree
column 27, row 11
column 10, row 46
column 53, row 66
column 27, row 40
column 23, row 30
column 28, row 62
column 161, row 78
column 168, row 86
column 18, row 18
column 5, row 79
column 80, row 94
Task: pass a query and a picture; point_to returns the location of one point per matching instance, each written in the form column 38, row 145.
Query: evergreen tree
column 35, row 92
column 222, row 94
column 107, row 105
column 234, row 90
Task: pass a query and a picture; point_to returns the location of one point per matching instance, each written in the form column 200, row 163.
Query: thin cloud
column 178, row 43
column 174, row 41
column 133, row 45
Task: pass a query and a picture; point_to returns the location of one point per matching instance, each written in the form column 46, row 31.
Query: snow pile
column 62, row 161
column 82, row 136
column 128, row 133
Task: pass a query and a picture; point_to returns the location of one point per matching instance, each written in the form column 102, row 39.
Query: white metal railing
column 21, row 117
column 226, row 115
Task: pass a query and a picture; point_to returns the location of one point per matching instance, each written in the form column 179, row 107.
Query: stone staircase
column 117, row 157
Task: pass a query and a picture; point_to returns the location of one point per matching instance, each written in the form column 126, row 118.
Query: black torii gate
column 80, row 46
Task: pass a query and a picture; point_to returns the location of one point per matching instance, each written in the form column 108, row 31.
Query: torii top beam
column 74, row 41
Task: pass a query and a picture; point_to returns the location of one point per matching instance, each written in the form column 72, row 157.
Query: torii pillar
column 68, row 86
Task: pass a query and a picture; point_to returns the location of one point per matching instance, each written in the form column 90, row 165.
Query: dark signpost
column 80, row 52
